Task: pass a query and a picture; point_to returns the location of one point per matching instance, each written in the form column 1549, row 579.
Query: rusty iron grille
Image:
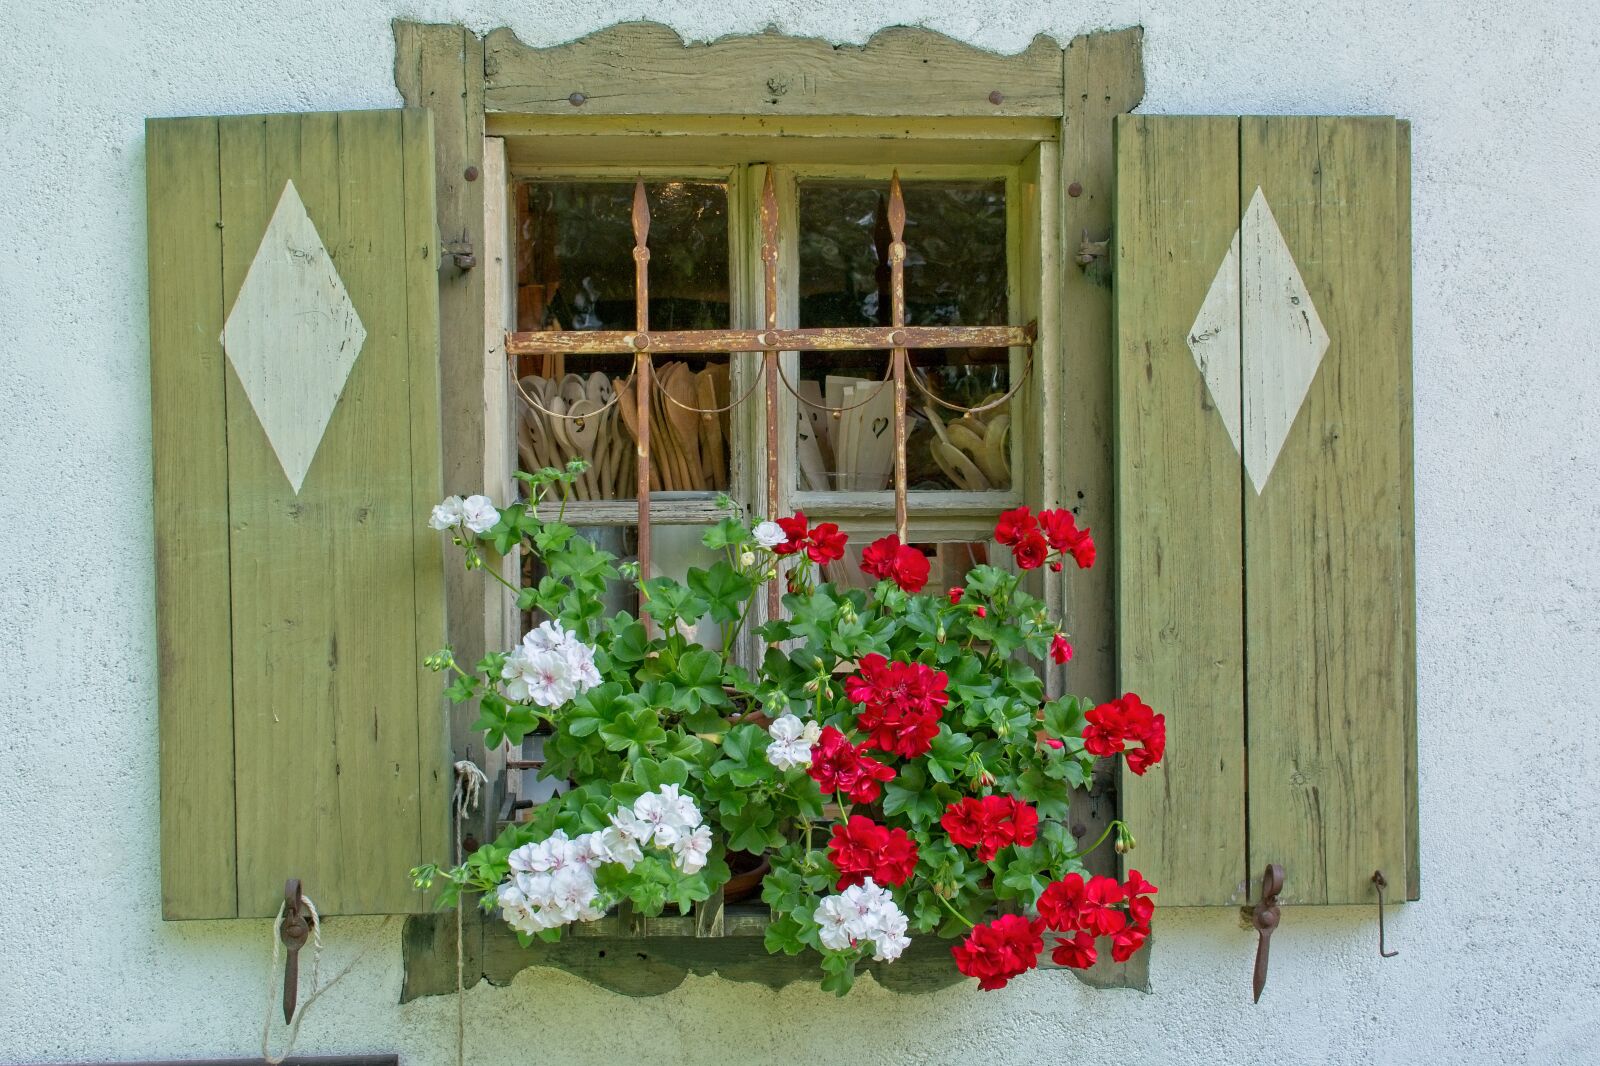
column 770, row 341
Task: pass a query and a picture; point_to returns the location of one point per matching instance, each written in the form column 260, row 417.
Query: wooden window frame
column 909, row 98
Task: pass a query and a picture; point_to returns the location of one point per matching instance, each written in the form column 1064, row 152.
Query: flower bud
column 1055, row 567
column 940, row 636
column 981, row 612
column 439, row 660
column 747, row 559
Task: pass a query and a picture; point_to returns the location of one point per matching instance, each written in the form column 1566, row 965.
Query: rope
column 616, row 397
column 835, row 411
column 655, row 382
column 275, row 985
column 917, row 379
column 470, row 782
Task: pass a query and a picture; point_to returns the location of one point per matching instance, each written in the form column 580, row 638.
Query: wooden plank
column 189, row 430
column 646, row 68
column 1179, row 594
column 1325, row 538
column 435, row 780
column 324, row 606
column 440, row 68
column 1408, row 548
column 1103, row 77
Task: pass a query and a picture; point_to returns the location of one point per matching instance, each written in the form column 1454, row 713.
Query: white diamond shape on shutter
column 293, row 336
column 1258, row 315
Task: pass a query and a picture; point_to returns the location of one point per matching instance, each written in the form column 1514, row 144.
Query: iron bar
column 769, row 269
column 897, row 321
column 771, row 339
column 642, row 371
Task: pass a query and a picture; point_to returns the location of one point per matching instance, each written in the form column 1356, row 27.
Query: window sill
column 649, row 965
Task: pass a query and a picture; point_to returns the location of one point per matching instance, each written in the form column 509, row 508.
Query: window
column 972, row 233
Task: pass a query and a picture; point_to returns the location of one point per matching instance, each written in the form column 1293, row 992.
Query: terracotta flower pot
column 748, row 872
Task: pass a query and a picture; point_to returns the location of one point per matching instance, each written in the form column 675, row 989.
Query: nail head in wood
column 997, row 98
column 577, row 99
column 1075, row 189
column 471, row 174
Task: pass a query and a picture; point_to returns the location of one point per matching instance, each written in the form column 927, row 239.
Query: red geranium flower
column 1071, row 904
column 1024, row 824
column 1077, row 953
column 956, row 594
column 988, row 824
column 1139, row 891
column 889, row 560
column 1014, row 525
column 794, row 527
column 1031, row 551
column 827, row 543
column 1111, row 726
column 1000, row 950
column 862, row 848
column 1128, row 941
column 1061, row 530
column 1060, row 650
column 840, row 766
column 824, row 544
column 902, row 704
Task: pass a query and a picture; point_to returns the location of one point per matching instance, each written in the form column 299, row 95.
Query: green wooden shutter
column 1262, row 279
column 295, row 409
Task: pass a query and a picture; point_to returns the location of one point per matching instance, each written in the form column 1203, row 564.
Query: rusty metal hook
column 294, row 931
column 1380, row 883
column 1264, row 916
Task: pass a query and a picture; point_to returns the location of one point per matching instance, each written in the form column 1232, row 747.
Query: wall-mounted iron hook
column 1264, row 916
column 294, row 931
column 1380, row 883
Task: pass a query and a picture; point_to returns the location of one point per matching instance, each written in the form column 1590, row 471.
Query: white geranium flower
column 836, row 917
column 480, row 513
column 888, row 933
column 692, row 850
column 543, row 677
column 632, row 826
column 791, row 742
column 863, row 913
column 553, row 853
column 769, row 534
column 685, row 813
column 576, row 676
column 660, row 816
column 446, row 515
column 584, row 672
column 547, row 636
column 573, row 894
column 620, row 846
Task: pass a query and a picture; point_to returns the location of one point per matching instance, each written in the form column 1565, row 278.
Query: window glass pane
column 575, row 271
column 955, row 275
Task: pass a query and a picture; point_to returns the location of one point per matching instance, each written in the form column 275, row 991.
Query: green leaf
column 634, row 732
column 727, row 533
column 668, row 603
column 910, row 795
column 948, row 755
column 723, row 588
column 461, row 689
column 629, row 642
column 839, row 971
column 785, row 934
column 700, row 675
column 753, row 829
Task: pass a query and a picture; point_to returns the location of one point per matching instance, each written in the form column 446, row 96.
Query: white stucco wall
column 1497, row 964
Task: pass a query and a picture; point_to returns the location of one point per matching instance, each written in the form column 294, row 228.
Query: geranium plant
column 893, row 756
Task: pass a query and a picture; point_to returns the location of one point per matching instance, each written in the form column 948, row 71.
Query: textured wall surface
column 1497, row 963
